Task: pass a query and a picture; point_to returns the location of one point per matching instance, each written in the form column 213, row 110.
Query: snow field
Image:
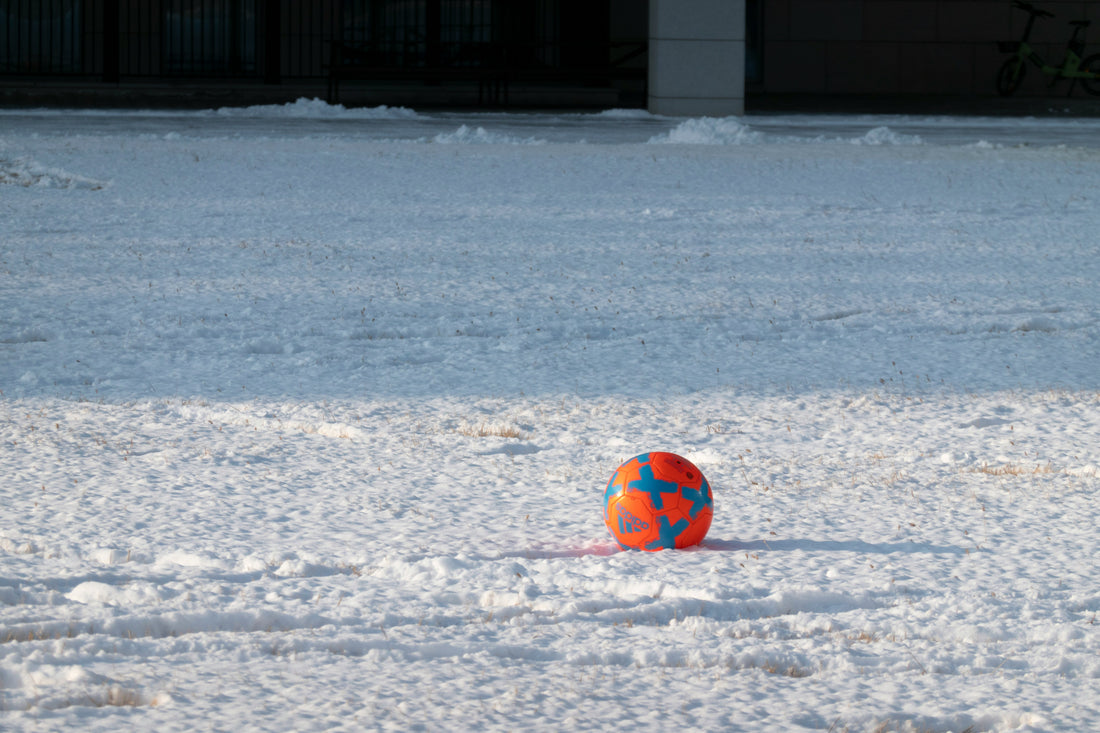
column 796, row 581
column 306, row 427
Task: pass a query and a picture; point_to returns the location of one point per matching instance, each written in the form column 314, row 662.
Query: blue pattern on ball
column 699, row 498
column 668, row 534
column 650, row 484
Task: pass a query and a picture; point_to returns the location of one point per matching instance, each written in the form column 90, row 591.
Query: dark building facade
column 298, row 42
column 937, row 47
column 681, row 53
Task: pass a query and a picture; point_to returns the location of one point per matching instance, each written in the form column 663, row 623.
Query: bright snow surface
column 307, row 414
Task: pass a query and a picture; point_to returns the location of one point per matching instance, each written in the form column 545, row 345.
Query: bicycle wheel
column 1010, row 76
column 1091, row 64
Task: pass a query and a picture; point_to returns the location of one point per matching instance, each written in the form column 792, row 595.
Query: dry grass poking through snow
column 1014, row 469
column 492, row 430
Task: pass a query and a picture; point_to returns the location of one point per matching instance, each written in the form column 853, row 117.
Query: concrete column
column 697, row 57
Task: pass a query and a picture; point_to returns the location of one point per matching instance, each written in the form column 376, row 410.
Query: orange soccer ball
column 658, row 501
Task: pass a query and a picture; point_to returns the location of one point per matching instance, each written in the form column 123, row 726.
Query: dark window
column 417, row 33
column 210, row 37
column 39, row 37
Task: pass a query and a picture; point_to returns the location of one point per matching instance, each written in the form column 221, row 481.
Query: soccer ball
column 656, row 501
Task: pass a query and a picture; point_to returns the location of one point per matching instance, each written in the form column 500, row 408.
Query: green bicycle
column 1086, row 71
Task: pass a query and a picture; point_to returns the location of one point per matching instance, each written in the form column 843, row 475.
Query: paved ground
column 1053, row 105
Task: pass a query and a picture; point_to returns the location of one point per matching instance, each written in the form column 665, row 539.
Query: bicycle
column 1073, row 67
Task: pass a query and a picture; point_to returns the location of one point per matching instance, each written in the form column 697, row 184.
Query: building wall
column 697, row 48
column 697, row 57
column 905, row 46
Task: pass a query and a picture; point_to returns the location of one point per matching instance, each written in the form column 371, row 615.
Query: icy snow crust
column 307, row 412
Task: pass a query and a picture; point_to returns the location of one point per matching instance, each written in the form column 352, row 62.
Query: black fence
column 142, row 39
column 277, row 40
column 47, row 37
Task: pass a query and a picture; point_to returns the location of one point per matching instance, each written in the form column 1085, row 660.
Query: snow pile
column 734, row 131
column 132, row 594
column 317, row 109
column 711, row 131
column 27, row 172
column 883, row 135
column 466, row 135
column 625, row 114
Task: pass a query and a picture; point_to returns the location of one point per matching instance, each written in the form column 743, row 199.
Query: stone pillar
column 697, row 57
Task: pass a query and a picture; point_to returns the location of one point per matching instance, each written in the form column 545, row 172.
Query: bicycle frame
column 1073, row 67
column 1070, row 68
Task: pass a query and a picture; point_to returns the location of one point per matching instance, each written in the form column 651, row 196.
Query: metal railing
column 275, row 40
column 56, row 37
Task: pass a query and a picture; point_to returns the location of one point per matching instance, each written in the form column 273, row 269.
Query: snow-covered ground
column 306, row 415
